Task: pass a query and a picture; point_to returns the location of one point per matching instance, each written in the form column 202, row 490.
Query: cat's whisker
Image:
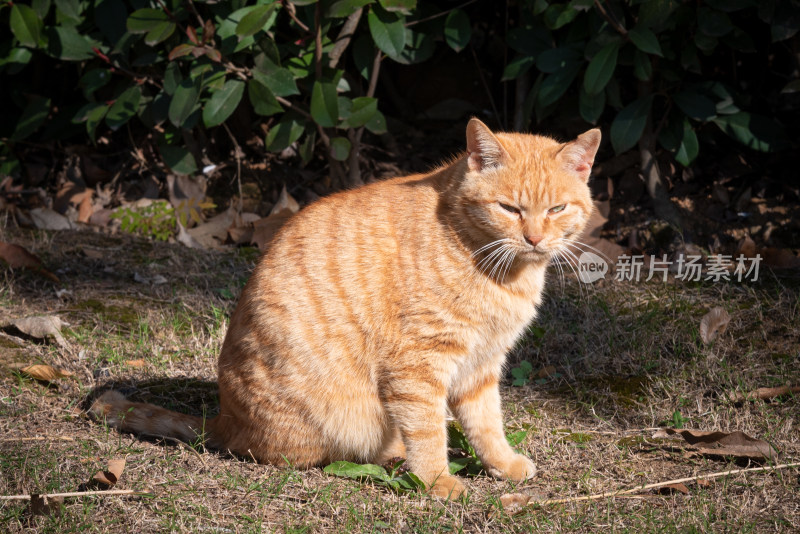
column 577, row 263
column 571, row 260
column 509, row 262
column 577, row 244
column 555, row 257
column 492, row 244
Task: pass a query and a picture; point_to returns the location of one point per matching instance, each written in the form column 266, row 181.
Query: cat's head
column 528, row 190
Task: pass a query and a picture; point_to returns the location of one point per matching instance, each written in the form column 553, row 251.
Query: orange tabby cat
column 405, row 297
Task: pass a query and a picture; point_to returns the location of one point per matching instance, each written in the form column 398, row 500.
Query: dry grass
column 627, row 358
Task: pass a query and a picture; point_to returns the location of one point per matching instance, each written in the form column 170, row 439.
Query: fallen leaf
column 214, row 232
column 670, row 489
column 514, row 502
column 285, row 202
column 41, row 328
column 112, row 475
column 86, row 208
column 762, row 393
column 45, row 373
column 746, row 247
column 704, row 483
column 16, row 256
column 737, row 444
column 713, row 323
column 135, row 363
column 47, row 219
column 546, row 371
column 264, row 230
column 187, row 194
column 41, row 505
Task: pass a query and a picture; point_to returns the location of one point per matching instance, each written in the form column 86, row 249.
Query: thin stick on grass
column 75, row 494
column 612, row 494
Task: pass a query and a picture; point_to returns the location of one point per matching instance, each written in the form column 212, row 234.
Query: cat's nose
column 534, row 239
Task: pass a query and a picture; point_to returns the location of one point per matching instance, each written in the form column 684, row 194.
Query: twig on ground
column 75, row 494
column 612, row 494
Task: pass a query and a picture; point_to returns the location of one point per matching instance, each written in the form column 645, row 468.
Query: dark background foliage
column 190, row 84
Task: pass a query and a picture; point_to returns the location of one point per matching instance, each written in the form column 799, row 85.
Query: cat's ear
column 577, row 156
column 483, row 148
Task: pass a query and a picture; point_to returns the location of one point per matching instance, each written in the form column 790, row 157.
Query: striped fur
column 377, row 309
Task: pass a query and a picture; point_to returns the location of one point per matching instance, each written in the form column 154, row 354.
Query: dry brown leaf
column 746, row 247
column 41, row 328
column 135, row 363
column 46, row 373
column 265, row 229
column 42, row 505
column 670, row 489
column 737, row 444
column 213, row 233
column 186, row 238
column 713, row 323
column 112, row 475
column 763, row 393
column 47, row 219
column 86, row 208
column 513, row 503
column 16, row 256
column 285, row 202
column 544, row 372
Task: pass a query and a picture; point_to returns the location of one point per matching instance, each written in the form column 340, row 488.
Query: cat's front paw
column 517, row 468
column 447, row 487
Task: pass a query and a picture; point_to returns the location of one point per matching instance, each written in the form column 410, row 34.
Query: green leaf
column 645, row 40
column 515, row 438
column 153, row 22
column 178, row 158
column 124, row 107
column 791, row 87
column 689, row 147
column 345, row 8
column 324, row 104
column 387, row 30
column 601, row 68
column 558, row 15
column 457, row 30
column 356, row 471
column 517, row 67
column 361, row 112
column 287, row 131
column 307, row 147
column 695, row 105
column 456, row 438
column 642, row 67
column 555, row 85
column 16, row 59
column 68, row 12
column 93, row 80
column 172, row 78
column 26, row 25
column 591, row 106
column 67, row 44
column 255, row 19
column 279, row 80
column 713, row 23
column 555, row 59
column 754, row 131
column 93, row 116
column 222, row 103
column 340, row 148
column 146, row 20
column 33, row 116
column 406, row 6
column 185, row 101
column 42, row 7
column 628, row 125
column 262, row 99
column 529, row 41
column 459, row 464
column 377, row 124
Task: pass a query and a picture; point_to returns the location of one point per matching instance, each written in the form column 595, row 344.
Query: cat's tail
column 148, row 419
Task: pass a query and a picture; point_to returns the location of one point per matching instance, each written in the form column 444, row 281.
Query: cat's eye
column 509, row 208
column 556, row 209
